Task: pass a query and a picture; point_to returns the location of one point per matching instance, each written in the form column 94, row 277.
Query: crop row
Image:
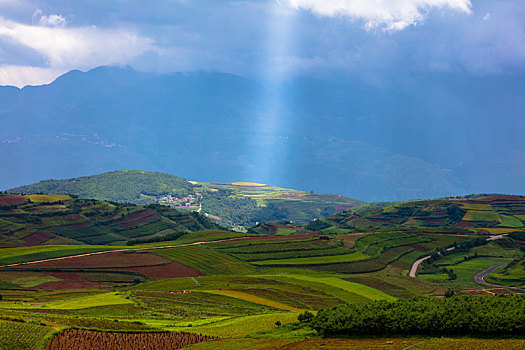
column 82, row 339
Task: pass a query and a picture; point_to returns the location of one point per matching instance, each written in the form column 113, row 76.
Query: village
column 189, row 201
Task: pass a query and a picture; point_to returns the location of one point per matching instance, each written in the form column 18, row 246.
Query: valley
column 255, row 288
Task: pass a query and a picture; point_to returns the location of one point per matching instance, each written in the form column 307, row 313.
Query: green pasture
column 101, row 299
column 466, row 271
column 292, row 254
column 241, row 326
column 510, row 221
column 317, row 260
column 206, row 260
column 21, row 335
column 482, row 215
column 334, row 282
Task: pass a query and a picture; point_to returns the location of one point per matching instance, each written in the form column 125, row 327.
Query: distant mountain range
column 430, row 136
column 233, row 205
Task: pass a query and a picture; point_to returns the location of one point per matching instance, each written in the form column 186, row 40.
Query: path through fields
column 415, row 265
column 127, row 250
column 480, row 277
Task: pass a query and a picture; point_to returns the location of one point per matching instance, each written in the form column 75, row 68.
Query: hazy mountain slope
column 347, row 137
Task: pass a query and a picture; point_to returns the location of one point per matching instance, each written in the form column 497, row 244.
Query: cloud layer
column 61, row 48
column 386, row 14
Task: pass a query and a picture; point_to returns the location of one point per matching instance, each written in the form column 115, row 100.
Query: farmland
column 44, row 219
column 237, row 205
column 246, row 289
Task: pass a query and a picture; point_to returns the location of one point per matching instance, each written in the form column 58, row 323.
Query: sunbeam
column 272, row 120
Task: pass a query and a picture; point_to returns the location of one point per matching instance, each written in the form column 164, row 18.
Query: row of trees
column 471, row 315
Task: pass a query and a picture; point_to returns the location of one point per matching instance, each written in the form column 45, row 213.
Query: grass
column 510, row 221
column 33, row 281
column 242, row 344
column 318, row 260
column 334, row 282
column 242, row 326
column 254, row 299
column 21, row 336
column 466, row 270
column 206, row 260
column 482, row 215
column 102, row 299
column 27, row 254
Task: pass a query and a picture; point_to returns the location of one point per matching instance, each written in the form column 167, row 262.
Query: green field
column 317, row 260
column 102, row 299
column 21, row 335
column 206, row 260
column 254, row 285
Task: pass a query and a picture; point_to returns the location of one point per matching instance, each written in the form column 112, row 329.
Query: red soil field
column 107, row 260
column 345, row 206
column 171, row 270
column 134, row 216
column 37, row 238
column 368, row 344
column 146, row 219
column 12, row 199
column 88, row 340
column 464, row 224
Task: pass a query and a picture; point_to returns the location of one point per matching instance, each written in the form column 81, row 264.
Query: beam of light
column 269, row 139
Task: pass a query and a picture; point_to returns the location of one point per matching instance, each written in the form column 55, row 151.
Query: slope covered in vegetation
column 233, row 205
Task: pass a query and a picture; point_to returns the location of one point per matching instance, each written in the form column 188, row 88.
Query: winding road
column 415, row 265
column 126, row 250
column 480, row 277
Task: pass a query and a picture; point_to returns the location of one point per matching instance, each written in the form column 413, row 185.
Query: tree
column 305, row 317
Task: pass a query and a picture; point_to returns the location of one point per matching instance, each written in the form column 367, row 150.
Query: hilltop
column 61, row 219
column 237, row 205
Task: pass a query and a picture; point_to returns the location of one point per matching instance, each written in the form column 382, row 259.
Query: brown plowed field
column 107, row 260
column 12, row 199
column 37, row 238
column 144, row 220
column 134, row 216
column 171, row 270
column 89, row 340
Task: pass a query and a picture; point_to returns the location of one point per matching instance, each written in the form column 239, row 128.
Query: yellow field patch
column 50, row 198
column 482, row 215
column 250, row 184
column 473, row 206
column 499, row 230
column 253, row 298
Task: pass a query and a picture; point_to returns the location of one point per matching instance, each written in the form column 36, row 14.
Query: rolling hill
column 237, row 205
column 61, row 219
column 473, row 214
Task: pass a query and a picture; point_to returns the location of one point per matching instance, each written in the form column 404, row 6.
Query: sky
column 276, row 40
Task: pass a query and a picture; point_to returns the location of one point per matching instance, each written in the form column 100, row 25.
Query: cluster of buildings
column 187, row 201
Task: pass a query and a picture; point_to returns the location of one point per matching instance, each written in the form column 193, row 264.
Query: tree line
column 469, row 315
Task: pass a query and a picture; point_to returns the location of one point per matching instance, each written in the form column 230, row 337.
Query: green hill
column 233, row 205
column 61, row 219
column 478, row 214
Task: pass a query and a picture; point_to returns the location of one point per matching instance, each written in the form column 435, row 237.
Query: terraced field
column 37, row 219
column 248, row 289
